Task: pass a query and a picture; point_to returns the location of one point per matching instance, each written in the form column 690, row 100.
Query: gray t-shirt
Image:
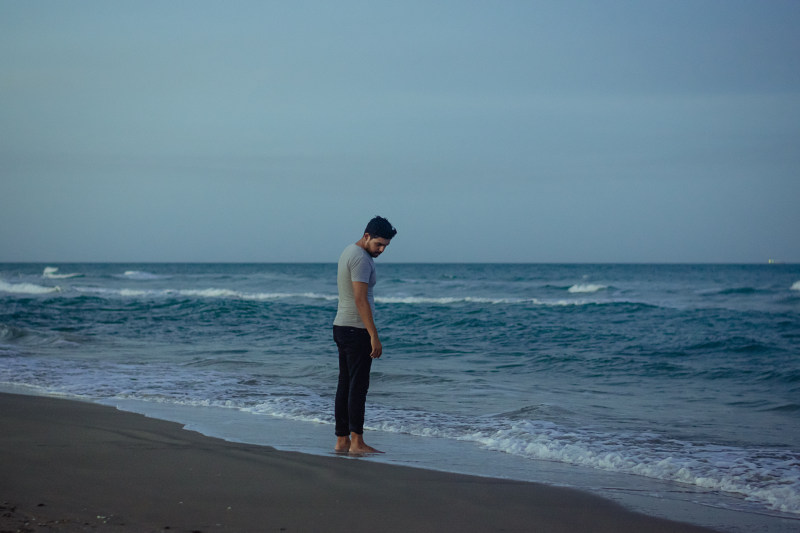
column 355, row 264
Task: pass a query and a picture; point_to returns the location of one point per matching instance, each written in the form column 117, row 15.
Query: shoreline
column 77, row 466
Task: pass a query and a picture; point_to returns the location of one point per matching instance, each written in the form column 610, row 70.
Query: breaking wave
column 26, row 288
column 52, row 273
column 586, row 288
column 210, row 293
column 142, row 276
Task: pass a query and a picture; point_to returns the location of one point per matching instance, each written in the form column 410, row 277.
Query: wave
column 537, row 302
column 14, row 335
column 796, row 286
column 211, row 293
column 229, row 294
column 769, row 476
column 26, row 288
column 785, row 408
column 766, row 476
column 258, row 296
column 451, row 300
column 740, row 290
column 581, row 288
column 52, row 273
column 142, row 275
column 10, row 333
column 763, row 475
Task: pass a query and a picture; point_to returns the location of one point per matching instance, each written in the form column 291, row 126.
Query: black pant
column 354, row 365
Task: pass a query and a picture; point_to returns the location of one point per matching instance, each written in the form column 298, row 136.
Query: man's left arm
column 360, row 295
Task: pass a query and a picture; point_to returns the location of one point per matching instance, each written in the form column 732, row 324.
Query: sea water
column 666, row 387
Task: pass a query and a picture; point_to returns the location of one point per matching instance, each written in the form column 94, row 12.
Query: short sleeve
column 360, row 268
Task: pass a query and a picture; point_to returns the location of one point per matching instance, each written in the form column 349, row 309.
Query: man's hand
column 377, row 348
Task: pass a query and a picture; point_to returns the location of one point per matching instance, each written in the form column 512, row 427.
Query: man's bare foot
column 358, row 446
column 342, row 445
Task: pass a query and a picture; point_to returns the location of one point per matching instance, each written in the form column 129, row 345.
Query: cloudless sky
column 507, row 131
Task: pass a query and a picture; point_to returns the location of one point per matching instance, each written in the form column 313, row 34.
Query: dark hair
column 380, row 227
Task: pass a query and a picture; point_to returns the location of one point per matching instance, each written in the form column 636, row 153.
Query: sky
column 485, row 131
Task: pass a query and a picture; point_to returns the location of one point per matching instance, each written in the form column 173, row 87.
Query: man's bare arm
column 365, row 312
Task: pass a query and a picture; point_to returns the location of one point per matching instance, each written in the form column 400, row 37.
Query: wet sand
column 75, row 466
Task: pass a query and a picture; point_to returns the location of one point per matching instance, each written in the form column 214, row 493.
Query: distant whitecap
column 586, row 288
column 52, row 273
column 141, row 275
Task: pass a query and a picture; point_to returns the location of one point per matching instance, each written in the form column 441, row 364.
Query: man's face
column 375, row 245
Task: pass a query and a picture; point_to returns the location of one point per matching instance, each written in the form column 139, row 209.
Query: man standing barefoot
column 355, row 333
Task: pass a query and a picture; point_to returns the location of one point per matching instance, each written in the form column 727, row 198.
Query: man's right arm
column 360, row 296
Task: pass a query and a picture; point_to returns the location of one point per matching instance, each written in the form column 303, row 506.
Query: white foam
column 258, row 296
column 26, row 288
column 421, row 300
column 131, row 293
column 716, row 468
column 442, row 301
column 211, row 293
column 51, row 273
column 142, row 276
column 219, row 293
column 796, row 286
column 586, row 288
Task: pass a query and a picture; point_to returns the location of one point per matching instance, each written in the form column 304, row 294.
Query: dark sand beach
column 75, row 466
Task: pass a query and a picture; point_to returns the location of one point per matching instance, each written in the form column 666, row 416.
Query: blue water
column 678, row 379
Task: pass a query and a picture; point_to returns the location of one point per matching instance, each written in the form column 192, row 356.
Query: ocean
column 674, row 389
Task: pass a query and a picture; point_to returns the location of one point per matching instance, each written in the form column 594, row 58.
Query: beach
column 670, row 390
column 76, row 466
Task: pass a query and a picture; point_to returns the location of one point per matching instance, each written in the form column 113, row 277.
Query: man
column 355, row 333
